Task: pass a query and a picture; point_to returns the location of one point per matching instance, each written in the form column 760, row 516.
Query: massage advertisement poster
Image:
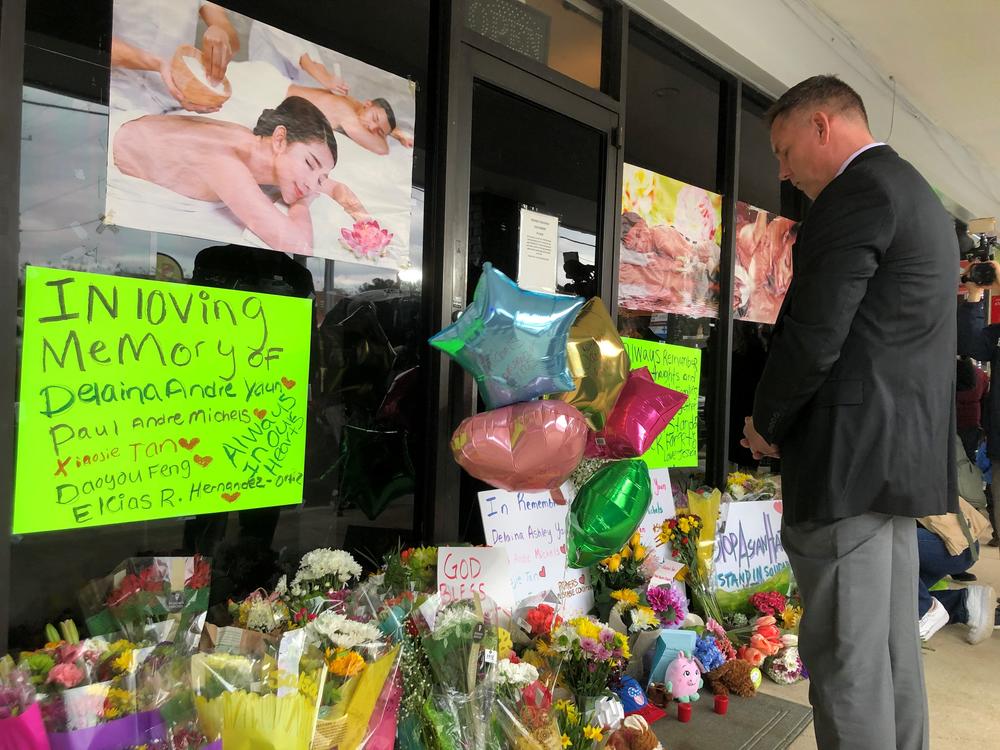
column 230, row 130
column 670, row 246
column 143, row 399
column 763, row 263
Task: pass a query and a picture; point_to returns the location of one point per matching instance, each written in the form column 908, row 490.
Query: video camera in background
column 979, row 249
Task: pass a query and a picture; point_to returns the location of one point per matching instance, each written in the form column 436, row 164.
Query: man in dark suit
column 858, row 399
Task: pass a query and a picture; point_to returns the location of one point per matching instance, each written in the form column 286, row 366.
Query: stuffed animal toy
column 684, row 678
column 734, row 676
column 634, row 734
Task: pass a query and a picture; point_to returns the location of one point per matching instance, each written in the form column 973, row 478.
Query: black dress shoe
column 964, row 577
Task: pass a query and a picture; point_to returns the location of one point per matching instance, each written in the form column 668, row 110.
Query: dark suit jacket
column 859, row 388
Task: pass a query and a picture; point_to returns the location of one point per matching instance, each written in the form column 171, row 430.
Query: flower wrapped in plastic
column 145, row 591
column 460, row 639
column 786, row 667
column 669, row 604
column 21, row 726
column 524, row 712
column 577, row 731
column 593, row 655
column 319, row 584
column 413, row 569
column 628, row 569
column 535, row 617
column 361, row 662
column 683, row 534
column 641, row 625
column 260, row 611
column 256, row 697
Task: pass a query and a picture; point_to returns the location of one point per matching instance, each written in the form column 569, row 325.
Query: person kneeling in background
column 949, row 544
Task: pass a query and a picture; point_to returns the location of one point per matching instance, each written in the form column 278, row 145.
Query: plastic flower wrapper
column 524, row 713
column 593, row 654
column 743, row 487
column 683, row 534
column 706, row 506
column 535, row 617
column 21, row 726
column 413, row 569
column 786, row 668
column 319, row 584
column 260, row 611
column 256, row 697
column 641, row 625
column 460, row 641
column 145, row 590
column 624, row 570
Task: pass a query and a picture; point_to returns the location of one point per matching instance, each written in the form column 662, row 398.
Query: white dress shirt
column 855, row 155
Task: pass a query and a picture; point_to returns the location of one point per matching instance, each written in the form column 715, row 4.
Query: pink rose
column 66, row 675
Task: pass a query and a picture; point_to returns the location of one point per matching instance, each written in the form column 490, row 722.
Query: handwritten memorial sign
column 748, row 551
column 678, row 368
column 142, row 400
column 532, row 528
column 464, row 571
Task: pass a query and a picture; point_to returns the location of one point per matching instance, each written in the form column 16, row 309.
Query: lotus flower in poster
column 366, row 239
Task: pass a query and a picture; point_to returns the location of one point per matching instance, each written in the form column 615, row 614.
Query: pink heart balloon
column 642, row 412
column 534, row 445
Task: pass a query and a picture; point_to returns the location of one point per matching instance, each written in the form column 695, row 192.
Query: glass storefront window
column 365, row 418
column 759, row 183
column 565, row 35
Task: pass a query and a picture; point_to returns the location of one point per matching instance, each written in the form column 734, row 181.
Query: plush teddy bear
column 634, row 734
column 734, row 676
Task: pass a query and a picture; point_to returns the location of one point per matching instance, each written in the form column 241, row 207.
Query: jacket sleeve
column 846, row 237
column 975, row 338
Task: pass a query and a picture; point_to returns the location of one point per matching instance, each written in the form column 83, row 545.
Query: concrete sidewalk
column 963, row 682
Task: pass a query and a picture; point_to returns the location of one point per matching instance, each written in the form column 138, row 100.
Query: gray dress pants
column 858, row 636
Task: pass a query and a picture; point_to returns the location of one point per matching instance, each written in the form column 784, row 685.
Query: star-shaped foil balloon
column 512, row 341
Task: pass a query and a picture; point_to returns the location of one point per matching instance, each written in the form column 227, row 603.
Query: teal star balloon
column 512, row 341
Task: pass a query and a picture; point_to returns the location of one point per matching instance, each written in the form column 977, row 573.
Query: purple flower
column 607, row 636
column 669, row 604
column 603, row 654
column 589, row 645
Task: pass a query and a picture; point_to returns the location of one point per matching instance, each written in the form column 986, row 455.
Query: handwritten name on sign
column 142, row 400
column 748, row 550
column 677, row 368
column 464, row 571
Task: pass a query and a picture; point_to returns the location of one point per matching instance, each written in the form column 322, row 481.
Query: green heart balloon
column 606, row 512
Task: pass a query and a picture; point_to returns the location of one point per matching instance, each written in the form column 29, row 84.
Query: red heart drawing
column 203, row 460
column 188, row 445
column 583, row 580
column 260, row 413
column 289, row 384
column 541, row 572
column 231, row 498
column 777, row 505
column 562, row 548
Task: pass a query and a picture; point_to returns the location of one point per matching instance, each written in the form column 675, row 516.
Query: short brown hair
column 827, row 89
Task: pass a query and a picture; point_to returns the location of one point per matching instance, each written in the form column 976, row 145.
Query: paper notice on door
column 537, row 251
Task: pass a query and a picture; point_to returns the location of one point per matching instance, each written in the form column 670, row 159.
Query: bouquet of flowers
column 669, row 604
column 769, row 603
column 252, row 697
column 413, row 569
column 524, row 708
column 640, row 624
column 460, row 640
column 682, row 533
column 576, row 733
column 593, row 654
column 360, row 663
column 745, row 487
column 319, row 584
column 144, row 595
column 20, row 716
column 786, row 667
column 535, row 618
column 629, row 568
column 260, row 611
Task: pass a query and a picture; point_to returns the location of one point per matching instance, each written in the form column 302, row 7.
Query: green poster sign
column 143, row 400
column 679, row 368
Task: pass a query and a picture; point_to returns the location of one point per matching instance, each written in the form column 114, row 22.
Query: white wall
column 773, row 44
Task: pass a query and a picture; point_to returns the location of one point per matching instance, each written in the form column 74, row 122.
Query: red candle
column 684, row 712
column 721, row 704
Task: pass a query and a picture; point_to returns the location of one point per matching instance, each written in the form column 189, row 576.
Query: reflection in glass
column 565, row 35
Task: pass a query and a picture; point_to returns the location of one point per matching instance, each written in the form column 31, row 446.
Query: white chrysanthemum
column 453, row 616
column 282, row 588
column 327, row 565
column 336, row 630
column 516, row 675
